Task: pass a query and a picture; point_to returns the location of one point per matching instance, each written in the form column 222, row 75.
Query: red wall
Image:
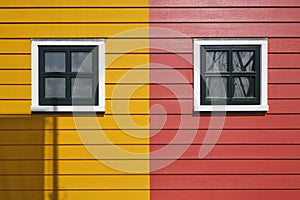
column 257, row 155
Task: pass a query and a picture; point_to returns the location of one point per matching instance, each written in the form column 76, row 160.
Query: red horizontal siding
column 225, row 15
column 236, row 121
column 284, row 91
column 223, row 3
column 225, row 194
column 284, row 76
column 217, row 182
column 281, row 91
column 182, row 106
column 256, row 155
column 231, row 167
column 185, row 45
column 228, row 152
column 284, row 60
column 230, row 137
column 221, row 30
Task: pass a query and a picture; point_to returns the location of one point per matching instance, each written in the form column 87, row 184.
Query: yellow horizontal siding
column 15, row 77
column 15, row 62
column 127, row 61
column 65, row 167
column 112, row 107
column 104, row 182
column 24, row 92
column 15, row 46
column 67, row 122
column 23, row 194
column 113, row 61
column 76, row 152
column 15, row 107
column 80, row 182
column 73, row 3
column 73, row 30
column 74, row 15
column 104, row 152
column 31, row 140
column 15, row 92
column 36, row 137
column 127, row 76
column 112, row 45
column 78, row 195
column 124, row 195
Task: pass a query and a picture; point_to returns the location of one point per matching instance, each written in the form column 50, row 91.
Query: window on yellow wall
column 68, row 75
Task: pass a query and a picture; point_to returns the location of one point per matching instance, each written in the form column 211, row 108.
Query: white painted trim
column 263, row 42
column 67, row 108
column 35, row 43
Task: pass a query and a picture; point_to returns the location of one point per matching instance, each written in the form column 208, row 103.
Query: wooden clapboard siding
column 65, row 15
column 35, row 148
column 224, row 15
column 253, row 155
column 184, row 45
column 22, row 91
column 226, row 194
column 74, row 3
column 223, row 3
column 71, row 137
column 56, row 30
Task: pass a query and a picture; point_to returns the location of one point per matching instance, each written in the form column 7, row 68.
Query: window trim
column 263, row 43
column 35, row 106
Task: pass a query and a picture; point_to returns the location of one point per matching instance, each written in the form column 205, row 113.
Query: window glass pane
column 243, row 61
column 243, row 87
column 216, row 61
column 81, row 61
column 82, row 88
column 55, row 87
column 216, row 87
column 55, row 62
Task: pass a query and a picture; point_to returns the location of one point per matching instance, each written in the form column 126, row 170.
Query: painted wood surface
column 32, row 148
column 250, row 147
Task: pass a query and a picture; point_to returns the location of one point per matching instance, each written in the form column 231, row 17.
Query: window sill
column 67, row 108
column 235, row 108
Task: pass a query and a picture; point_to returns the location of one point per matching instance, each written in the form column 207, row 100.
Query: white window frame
column 263, row 43
column 36, row 43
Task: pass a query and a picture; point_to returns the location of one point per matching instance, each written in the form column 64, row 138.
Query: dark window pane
column 216, row 87
column 243, row 61
column 216, row 61
column 55, row 88
column 82, row 88
column 243, row 87
column 55, row 62
column 81, row 61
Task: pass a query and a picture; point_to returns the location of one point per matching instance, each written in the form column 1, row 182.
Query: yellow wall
column 42, row 155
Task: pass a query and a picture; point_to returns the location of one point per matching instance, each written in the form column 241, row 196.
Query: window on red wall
column 230, row 75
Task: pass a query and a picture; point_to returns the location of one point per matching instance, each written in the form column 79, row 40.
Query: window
column 68, row 75
column 230, row 75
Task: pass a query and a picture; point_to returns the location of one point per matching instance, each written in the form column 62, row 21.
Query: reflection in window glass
column 243, row 87
column 216, row 61
column 55, row 88
column 55, row 62
column 243, row 61
column 216, row 87
column 81, row 61
column 82, row 88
